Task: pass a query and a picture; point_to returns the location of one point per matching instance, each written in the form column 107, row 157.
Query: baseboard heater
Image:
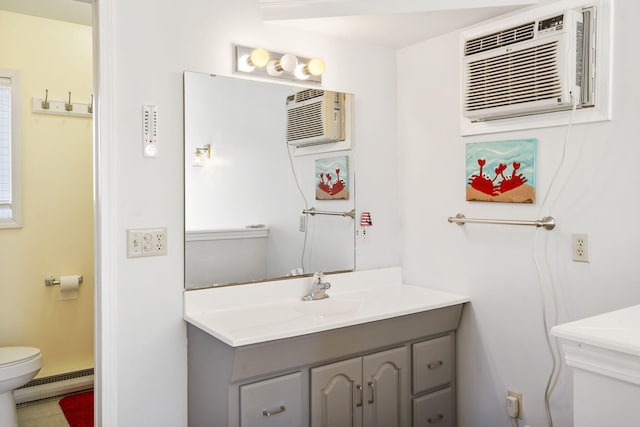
column 54, row 386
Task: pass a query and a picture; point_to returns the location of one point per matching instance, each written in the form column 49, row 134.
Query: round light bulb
column 259, row 57
column 244, row 64
column 274, row 69
column 315, row 67
column 288, row 62
column 301, row 72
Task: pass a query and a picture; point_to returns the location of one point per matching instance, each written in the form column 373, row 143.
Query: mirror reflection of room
column 247, row 184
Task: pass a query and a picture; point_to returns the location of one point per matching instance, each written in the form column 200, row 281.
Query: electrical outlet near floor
column 517, row 410
column 580, row 247
column 143, row 242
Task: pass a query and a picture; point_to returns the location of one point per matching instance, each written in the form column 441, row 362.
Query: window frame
column 15, row 217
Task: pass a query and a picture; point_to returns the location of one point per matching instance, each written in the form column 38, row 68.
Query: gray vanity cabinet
column 364, row 391
column 433, row 379
column 434, row 409
column 336, row 394
column 371, row 374
column 276, row 402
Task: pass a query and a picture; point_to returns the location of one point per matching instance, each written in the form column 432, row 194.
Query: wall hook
column 90, row 106
column 45, row 103
column 68, row 106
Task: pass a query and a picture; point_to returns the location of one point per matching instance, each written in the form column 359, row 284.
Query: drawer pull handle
column 435, row 365
column 360, row 397
column 373, row 393
column 435, row 420
column 268, row 413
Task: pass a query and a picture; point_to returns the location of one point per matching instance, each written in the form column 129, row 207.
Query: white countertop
column 617, row 331
column 607, row 344
column 259, row 312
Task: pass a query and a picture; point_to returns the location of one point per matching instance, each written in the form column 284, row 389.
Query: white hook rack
column 62, row 108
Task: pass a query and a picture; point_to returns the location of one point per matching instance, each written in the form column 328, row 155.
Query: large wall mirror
column 246, row 187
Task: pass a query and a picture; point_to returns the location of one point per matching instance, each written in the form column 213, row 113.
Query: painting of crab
column 517, row 155
column 332, row 178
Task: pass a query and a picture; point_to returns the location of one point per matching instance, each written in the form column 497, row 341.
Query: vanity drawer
column 276, row 402
column 432, row 363
column 434, row 409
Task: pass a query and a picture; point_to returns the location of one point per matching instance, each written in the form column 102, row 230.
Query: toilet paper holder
column 52, row 281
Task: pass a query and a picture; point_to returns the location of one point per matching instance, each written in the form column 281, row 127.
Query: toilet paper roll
column 69, row 287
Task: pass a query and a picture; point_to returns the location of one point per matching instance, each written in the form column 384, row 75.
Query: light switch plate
column 144, row 242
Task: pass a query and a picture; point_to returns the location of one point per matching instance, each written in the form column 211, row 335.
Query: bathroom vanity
column 375, row 353
column 604, row 352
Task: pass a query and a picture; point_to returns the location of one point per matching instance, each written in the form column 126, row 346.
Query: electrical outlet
column 514, row 411
column 145, row 242
column 580, row 247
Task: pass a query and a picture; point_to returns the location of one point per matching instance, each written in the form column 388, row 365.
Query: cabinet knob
column 360, row 397
column 270, row 412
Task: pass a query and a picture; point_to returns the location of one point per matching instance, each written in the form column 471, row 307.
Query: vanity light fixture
column 201, row 155
column 287, row 62
column 248, row 62
column 315, row 67
column 260, row 62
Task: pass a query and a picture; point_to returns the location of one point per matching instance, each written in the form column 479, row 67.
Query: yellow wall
column 57, row 233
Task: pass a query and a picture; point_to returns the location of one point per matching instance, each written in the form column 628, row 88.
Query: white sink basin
column 249, row 314
column 329, row 307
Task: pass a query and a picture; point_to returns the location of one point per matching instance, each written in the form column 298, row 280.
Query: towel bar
column 548, row 222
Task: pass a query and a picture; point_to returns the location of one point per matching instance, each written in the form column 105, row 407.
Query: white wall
column 501, row 343
column 148, row 44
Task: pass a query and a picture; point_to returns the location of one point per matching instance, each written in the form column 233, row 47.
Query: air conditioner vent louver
column 499, row 39
column 516, row 77
column 308, row 94
column 305, row 122
column 314, row 117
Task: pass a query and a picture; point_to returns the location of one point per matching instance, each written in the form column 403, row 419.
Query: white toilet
column 18, row 365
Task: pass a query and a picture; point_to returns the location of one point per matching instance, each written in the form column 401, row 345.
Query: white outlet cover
column 580, row 249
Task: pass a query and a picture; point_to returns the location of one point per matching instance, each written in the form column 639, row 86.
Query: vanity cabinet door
column 276, row 402
column 432, row 363
column 386, row 384
column 336, row 394
column 434, row 409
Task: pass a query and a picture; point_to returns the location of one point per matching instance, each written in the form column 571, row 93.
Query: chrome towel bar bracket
column 548, row 222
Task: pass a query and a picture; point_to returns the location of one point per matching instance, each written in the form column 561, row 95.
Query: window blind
column 5, row 140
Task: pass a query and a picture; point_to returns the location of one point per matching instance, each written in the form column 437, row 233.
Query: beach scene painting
column 501, row 171
column 332, row 178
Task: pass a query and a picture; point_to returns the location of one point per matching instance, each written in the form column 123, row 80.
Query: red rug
column 78, row 409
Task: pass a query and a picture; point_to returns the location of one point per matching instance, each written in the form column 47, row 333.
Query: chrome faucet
column 318, row 288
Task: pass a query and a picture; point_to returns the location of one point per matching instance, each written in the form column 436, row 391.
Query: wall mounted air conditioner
column 535, row 67
column 315, row 117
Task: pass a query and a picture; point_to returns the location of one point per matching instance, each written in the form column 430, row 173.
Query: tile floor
column 42, row 414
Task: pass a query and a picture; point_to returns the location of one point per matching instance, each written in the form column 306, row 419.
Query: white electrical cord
column 556, row 356
column 306, row 208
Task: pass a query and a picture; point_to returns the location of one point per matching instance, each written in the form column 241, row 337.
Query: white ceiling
column 395, row 30
column 391, row 23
